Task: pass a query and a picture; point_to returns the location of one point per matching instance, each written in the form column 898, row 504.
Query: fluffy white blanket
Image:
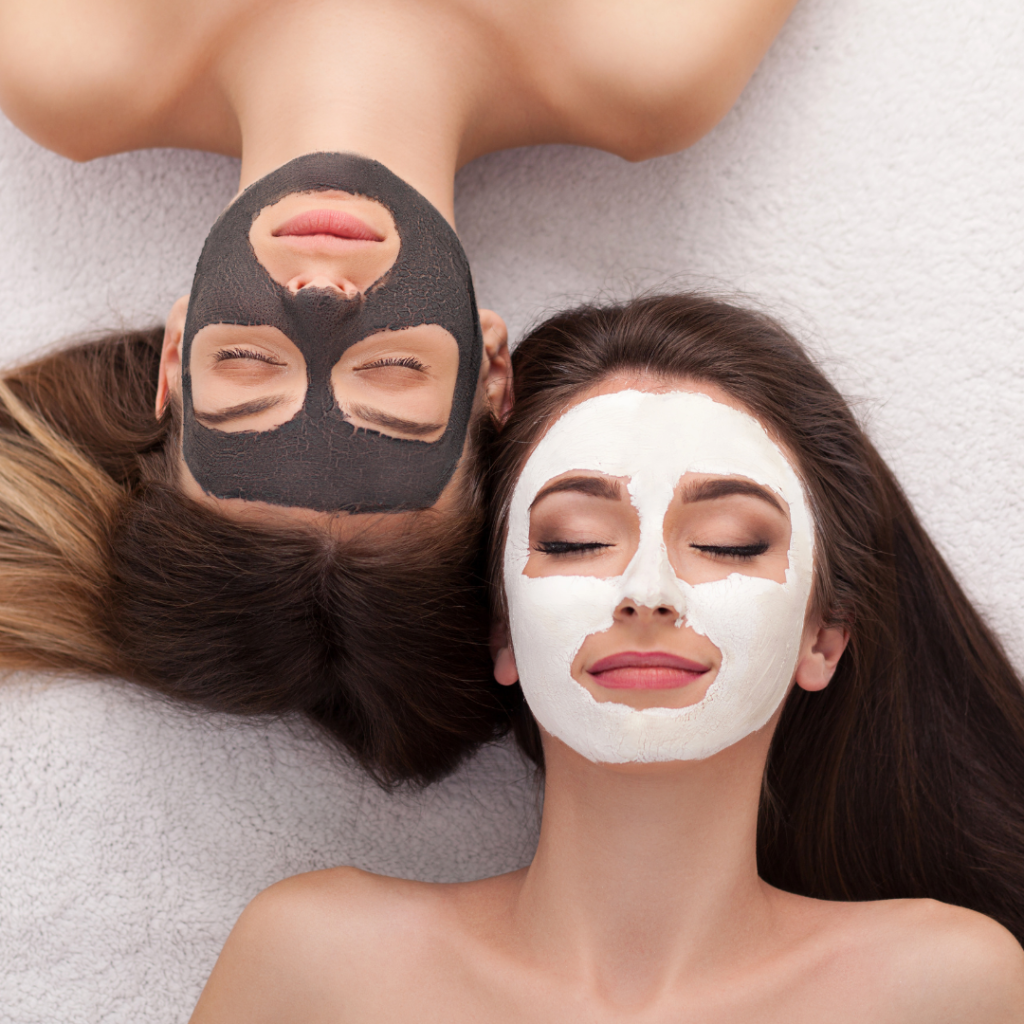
column 868, row 187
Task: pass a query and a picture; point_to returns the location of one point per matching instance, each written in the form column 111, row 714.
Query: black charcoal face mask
column 318, row 460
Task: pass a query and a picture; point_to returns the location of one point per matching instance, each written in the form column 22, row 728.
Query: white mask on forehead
column 756, row 623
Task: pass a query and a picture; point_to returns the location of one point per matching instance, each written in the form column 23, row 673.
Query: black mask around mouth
column 318, row 460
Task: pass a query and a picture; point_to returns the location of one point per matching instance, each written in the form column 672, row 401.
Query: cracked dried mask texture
column 757, row 624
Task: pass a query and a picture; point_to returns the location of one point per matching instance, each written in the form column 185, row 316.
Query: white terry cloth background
column 868, row 187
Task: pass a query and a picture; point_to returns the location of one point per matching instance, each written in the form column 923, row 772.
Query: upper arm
column 991, row 983
column 281, row 960
column 963, row 968
column 252, row 974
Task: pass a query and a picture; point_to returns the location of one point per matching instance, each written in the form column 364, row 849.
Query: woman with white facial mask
column 252, row 497
column 784, row 758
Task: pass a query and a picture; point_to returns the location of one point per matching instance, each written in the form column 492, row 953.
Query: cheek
column 758, row 624
column 550, row 617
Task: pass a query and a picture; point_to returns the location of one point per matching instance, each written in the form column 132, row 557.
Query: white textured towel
column 868, row 187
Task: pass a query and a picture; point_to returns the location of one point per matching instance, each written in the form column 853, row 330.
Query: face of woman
column 658, row 569
column 332, row 352
column 254, row 378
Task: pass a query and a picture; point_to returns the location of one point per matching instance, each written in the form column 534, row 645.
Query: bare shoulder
column 91, row 77
column 921, row 961
column 956, row 964
column 319, row 900
column 647, row 77
column 310, row 942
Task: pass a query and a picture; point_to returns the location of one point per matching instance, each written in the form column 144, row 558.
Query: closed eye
column 409, row 362
column 246, row 353
column 740, row 551
column 568, row 547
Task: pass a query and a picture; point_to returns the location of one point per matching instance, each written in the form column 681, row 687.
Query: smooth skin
column 424, row 86
column 642, row 905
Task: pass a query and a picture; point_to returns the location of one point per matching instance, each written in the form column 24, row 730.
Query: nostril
column 301, row 281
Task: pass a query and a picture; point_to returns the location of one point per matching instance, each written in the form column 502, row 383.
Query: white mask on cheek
column 757, row 624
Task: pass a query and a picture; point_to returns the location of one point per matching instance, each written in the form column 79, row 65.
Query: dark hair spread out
column 905, row 776
column 106, row 567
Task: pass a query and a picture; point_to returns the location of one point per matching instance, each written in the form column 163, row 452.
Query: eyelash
column 743, row 552
column 408, row 361
column 740, row 551
column 568, row 547
column 246, row 353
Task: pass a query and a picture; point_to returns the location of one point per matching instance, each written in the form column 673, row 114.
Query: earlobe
column 505, row 670
column 169, row 375
column 496, row 372
column 820, row 656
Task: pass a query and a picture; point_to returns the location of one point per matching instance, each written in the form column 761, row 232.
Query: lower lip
column 327, row 224
column 645, row 678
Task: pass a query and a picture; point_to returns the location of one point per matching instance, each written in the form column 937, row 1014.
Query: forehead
column 656, row 438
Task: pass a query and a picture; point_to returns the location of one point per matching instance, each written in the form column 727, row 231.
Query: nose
column 649, row 585
column 628, row 609
column 340, row 285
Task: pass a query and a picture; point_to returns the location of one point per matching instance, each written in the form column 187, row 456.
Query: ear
column 169, row 376
column 496, row 372
column 505, row 670
column 820, row 652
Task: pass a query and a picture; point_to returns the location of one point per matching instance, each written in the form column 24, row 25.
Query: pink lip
column 333, row 223
column 645, row 670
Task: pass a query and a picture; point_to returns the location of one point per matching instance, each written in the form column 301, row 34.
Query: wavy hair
column 107, row 568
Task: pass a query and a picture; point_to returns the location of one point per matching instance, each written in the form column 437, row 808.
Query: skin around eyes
column 399, row 383
column 710, row 538
column 579, row 534
column 245, row 378
column 325, row 239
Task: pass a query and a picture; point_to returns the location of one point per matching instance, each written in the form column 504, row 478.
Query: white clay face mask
column 653, row 440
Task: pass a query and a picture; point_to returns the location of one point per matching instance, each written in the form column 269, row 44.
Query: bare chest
column 458, row 990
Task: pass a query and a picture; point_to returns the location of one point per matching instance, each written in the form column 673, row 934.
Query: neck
column 644, row 872
column 295, row 90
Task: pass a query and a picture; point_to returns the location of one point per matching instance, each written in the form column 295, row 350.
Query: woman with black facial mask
column 274, row 504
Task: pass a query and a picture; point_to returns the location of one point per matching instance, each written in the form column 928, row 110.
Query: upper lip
column 646, row 659
column 338, row 223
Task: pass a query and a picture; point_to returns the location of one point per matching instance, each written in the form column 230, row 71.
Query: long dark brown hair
column 905, row 776
column 107, row 568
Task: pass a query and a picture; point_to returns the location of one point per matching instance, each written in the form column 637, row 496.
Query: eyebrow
column 709, row 490
column 702, row 490
column 235, row 412
column 384, row 419
column 595, row 486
